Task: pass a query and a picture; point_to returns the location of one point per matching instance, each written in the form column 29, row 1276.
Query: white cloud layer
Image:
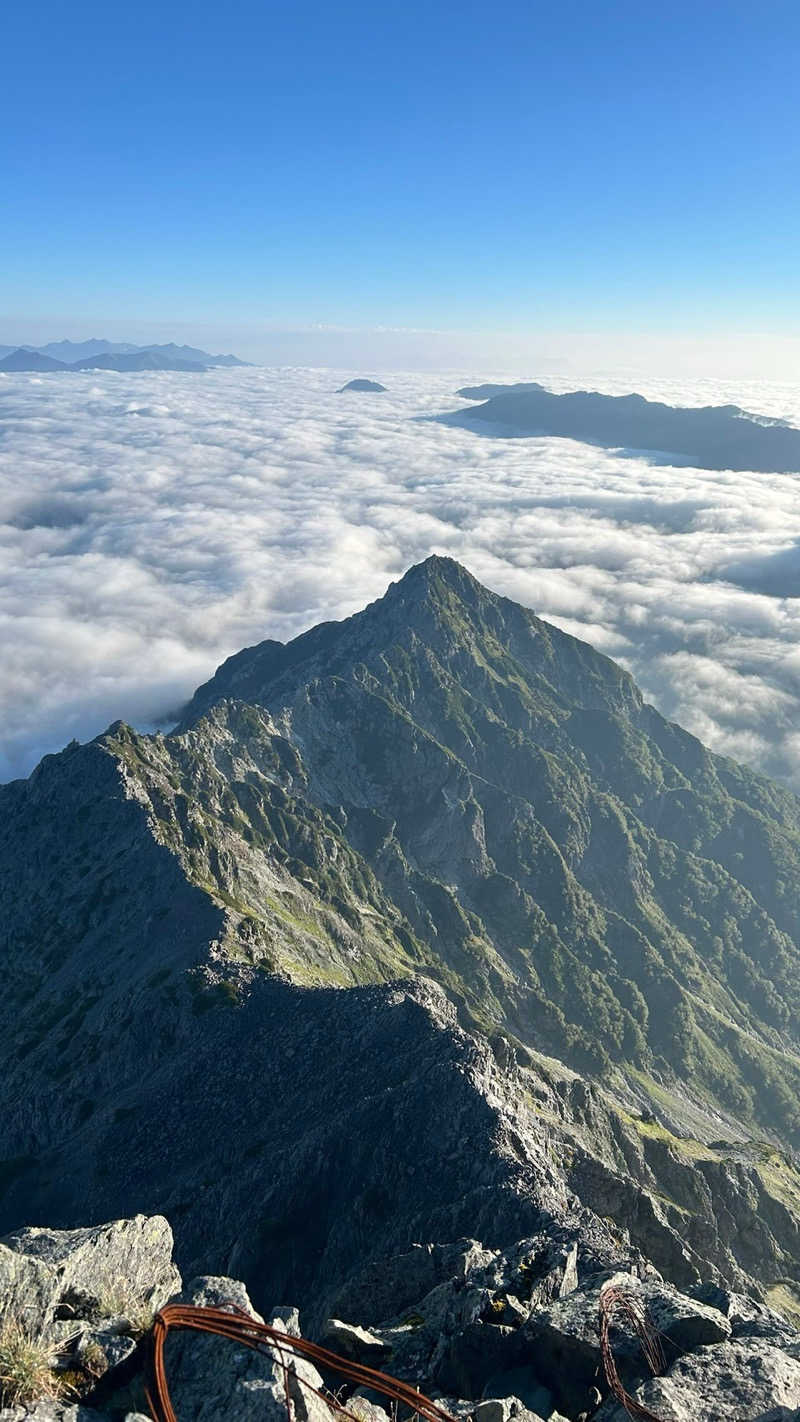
column 152, row 524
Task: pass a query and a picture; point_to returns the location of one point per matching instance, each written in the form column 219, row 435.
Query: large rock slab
column 683, row 1322
column 102, row 1271
column 29, row 1289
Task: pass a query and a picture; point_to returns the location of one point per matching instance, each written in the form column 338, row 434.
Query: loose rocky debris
column 491, row 1335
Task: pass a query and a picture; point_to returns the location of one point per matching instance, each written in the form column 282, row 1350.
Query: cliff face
column 596, row 923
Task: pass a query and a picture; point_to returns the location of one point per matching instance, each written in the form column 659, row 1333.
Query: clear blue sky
column 437, row 165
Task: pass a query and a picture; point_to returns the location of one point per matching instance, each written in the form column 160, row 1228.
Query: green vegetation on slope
column 634, row 898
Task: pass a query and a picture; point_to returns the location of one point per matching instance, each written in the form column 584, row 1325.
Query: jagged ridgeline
column 441, row 786
column 489, row 800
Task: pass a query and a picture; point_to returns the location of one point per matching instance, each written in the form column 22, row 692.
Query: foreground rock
column 87, row 1296
column 210, row 1378
column 754, row 1384
column 496, row 1335
column 350, row 1341
column 114, row 1270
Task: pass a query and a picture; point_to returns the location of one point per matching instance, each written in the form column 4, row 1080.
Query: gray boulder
column 29, row 1289
column 365, row 1409
column 99, row 1350
column 115, row 1269
column 50, row 1411
column 210, row 1378
column 732, row 1382
column 504, row 1409
column 564, row 1339
column 353, row 1342
column 685, row 1322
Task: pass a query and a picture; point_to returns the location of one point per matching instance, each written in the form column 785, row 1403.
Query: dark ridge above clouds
column 486, row 391
column 713, row 437
column 364, row 386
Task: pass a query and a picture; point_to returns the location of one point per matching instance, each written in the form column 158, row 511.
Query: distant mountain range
column 488, row 391
column 110, row 355
column 711, row 437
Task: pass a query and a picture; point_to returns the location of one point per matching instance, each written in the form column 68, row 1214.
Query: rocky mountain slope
column 577, row 869
column 423, row 926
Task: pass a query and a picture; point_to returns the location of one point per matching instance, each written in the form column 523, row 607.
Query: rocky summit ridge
column 423, row 927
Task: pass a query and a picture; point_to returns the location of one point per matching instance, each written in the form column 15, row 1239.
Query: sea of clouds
column 151, row 524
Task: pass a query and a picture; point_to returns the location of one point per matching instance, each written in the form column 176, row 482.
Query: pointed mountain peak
column 436, row 565
column 436, row 575
column 437, row 597
column 437, row 611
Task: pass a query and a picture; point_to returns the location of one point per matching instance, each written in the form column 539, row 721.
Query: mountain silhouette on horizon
column 111, row 355
column 711, row 437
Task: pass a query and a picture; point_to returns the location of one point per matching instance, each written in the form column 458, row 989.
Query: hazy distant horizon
column 746, row 356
